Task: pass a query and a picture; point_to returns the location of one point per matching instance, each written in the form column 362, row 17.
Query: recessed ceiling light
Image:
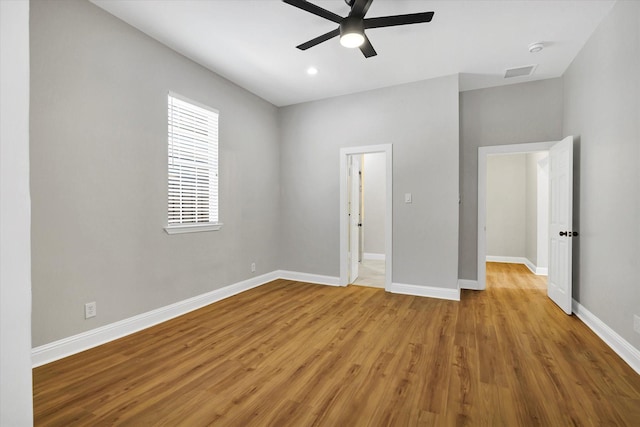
column 536, row 47
column 312, row 71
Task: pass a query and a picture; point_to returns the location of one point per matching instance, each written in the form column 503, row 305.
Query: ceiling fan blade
column 319, row 39
column 316, row 10
column 360, row 8
column 367, row 48
column 390, row 21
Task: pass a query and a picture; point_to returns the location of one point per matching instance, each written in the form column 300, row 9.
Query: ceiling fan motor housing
column 351, row 25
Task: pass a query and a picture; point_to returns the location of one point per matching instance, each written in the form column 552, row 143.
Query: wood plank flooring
column 296, row 354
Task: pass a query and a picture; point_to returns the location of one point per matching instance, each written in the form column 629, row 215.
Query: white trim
column 468, row 284
column 191, row 101
column 193, row 228
column 344, row 218
column 425, row 291
column 95, row 337
column 531, row 266
column 483, row 152
column 372, row 256
column 507, row 259
column 622, row 347
column 538, row 271
column 16, row 385
column 308, row 278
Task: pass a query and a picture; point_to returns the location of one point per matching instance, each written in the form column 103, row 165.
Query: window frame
column 191, row 227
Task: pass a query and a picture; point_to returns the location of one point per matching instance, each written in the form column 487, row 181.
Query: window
column 193, row 166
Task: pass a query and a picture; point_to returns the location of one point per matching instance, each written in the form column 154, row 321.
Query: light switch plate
column 407, row 197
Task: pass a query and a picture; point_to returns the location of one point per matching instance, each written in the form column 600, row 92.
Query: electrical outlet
column 636, row 323
column 253, row 267
column 90, row 310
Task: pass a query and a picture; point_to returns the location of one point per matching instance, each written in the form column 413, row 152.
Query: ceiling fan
column 351, row 28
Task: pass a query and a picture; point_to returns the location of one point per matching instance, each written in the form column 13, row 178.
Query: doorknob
column 563, row 233
column 569, row 233
column 574, row 234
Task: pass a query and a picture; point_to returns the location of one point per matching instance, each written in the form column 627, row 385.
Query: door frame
column 344, row 206
column 354, row 162
column 483, row 154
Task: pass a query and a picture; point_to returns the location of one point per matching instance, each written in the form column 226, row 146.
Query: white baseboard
column 531, row 266
column 372, row 256
column 425, row 291
column 539, row 271
column 308, row 278
column 468, row 284
column 507, row 259
column 622, row 347
column 95, row 337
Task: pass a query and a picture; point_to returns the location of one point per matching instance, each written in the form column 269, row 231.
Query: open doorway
column 484, row 154
column 367, row 192
column 560, row 232
column 365, row 215
column 517, row 206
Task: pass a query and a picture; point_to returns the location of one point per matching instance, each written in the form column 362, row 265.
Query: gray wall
column 531, row 214
column 506, row 205
column 602, row 96
column 536, row 211
column 16, row 404
column 529, row 112
column 99, row 174
column 421, row 121
column 374, row 189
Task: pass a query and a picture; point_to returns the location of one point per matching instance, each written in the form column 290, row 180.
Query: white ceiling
column 252, row 42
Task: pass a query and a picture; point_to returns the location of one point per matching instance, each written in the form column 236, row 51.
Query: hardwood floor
column 296, row 354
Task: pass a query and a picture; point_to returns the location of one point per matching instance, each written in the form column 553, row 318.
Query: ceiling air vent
column 520, row 71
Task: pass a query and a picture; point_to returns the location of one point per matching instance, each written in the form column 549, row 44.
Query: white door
column 361, row 210
column 561, row 223
column 354, row 217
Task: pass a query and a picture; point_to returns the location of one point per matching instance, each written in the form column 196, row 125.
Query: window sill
column 193, row 228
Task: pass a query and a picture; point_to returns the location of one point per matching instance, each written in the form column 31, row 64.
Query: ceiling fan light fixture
column 351, row 28
column 351, row 33
column 351, row 40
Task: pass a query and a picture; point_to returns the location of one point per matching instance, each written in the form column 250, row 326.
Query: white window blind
column 193, row 163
